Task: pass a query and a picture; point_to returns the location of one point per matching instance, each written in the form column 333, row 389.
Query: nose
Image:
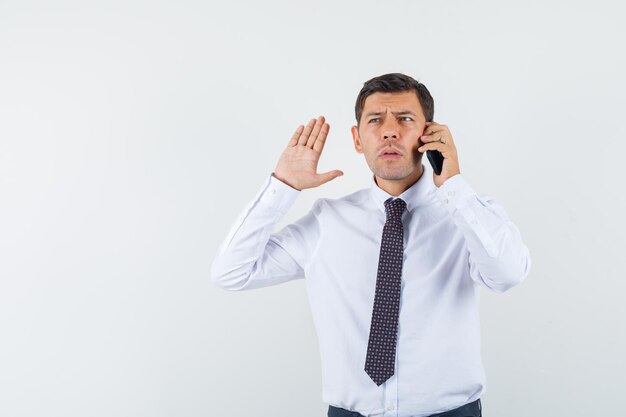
column 390, row 129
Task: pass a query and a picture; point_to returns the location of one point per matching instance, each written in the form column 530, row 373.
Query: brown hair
column 395, row 83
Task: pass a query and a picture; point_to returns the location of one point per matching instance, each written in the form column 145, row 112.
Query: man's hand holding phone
column 297, row 166
column 437, row 137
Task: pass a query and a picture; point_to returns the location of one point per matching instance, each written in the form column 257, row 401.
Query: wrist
column 284, row 180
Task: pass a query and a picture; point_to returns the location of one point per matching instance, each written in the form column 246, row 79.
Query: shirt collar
column 418, row 194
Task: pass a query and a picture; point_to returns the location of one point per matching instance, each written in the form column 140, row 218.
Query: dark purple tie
column 381, row 348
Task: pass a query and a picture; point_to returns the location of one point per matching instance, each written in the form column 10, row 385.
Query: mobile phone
column 436, row 161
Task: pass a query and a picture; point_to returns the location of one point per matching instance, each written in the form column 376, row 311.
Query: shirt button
column 390, row 408
column 450, row 193
column 273, row 191
column 445, row 201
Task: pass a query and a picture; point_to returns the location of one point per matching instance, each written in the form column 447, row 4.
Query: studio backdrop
column 133, row 133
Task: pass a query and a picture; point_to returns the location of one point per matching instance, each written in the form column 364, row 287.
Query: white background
column 132, row 133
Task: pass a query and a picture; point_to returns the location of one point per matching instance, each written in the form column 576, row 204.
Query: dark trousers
column 473, row 409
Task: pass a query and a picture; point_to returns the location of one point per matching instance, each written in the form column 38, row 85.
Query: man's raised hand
column 297, row 166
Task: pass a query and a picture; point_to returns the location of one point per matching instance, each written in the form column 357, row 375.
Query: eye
column 406, row 119
column 373, row 120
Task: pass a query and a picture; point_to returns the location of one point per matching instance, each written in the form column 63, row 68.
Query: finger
column 306, row 132
column 430, row 125
column 433, row 146
column 433, row 129
column 321, row 138
column 330, row 175
column 294, row 139
column 433, row 137
column 316, row 130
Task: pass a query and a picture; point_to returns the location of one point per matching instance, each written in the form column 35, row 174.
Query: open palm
column 297, row 165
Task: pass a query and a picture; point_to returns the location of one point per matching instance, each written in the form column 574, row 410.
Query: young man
column 392, row 271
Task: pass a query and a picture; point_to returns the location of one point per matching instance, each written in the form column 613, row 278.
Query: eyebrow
column 396, row 113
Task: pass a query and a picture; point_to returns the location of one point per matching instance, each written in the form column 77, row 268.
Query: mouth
column 390, row 154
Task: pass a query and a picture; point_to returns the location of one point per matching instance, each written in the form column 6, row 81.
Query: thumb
column 330, row 175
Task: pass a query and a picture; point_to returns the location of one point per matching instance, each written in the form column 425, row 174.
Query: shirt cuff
column 279, row 195
column 455, row 193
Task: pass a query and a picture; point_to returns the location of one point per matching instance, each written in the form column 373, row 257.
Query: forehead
column 406, row 100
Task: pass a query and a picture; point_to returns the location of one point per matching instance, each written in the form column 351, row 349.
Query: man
column 392, row 271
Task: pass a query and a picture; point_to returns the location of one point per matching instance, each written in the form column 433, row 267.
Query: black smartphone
column 436, row 161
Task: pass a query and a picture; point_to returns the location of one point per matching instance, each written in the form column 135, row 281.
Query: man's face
column 388, row 133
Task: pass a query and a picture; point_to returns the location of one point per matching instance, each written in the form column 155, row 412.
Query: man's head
column 392, row 111
column 395, row 83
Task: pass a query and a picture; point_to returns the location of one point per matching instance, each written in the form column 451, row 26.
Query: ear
column 356, row 139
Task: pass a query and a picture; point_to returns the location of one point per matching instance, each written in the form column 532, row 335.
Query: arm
column 253, row 257
column 498, row 257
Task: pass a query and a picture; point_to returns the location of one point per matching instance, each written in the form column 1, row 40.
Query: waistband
column 473, row 409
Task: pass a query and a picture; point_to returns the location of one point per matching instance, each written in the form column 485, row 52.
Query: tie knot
column 394, row 209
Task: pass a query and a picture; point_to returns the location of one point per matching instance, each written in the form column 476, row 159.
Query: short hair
column 395, row 83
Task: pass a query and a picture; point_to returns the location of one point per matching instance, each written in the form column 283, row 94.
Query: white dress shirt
column 455, row 241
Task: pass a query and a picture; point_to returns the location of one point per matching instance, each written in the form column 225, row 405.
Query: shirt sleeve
column 252, row 256
column 498, row 258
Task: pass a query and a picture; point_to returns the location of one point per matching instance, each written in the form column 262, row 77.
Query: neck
column 397, row 187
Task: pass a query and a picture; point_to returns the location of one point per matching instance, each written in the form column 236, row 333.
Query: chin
column 397, row 173
column 393, row 174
